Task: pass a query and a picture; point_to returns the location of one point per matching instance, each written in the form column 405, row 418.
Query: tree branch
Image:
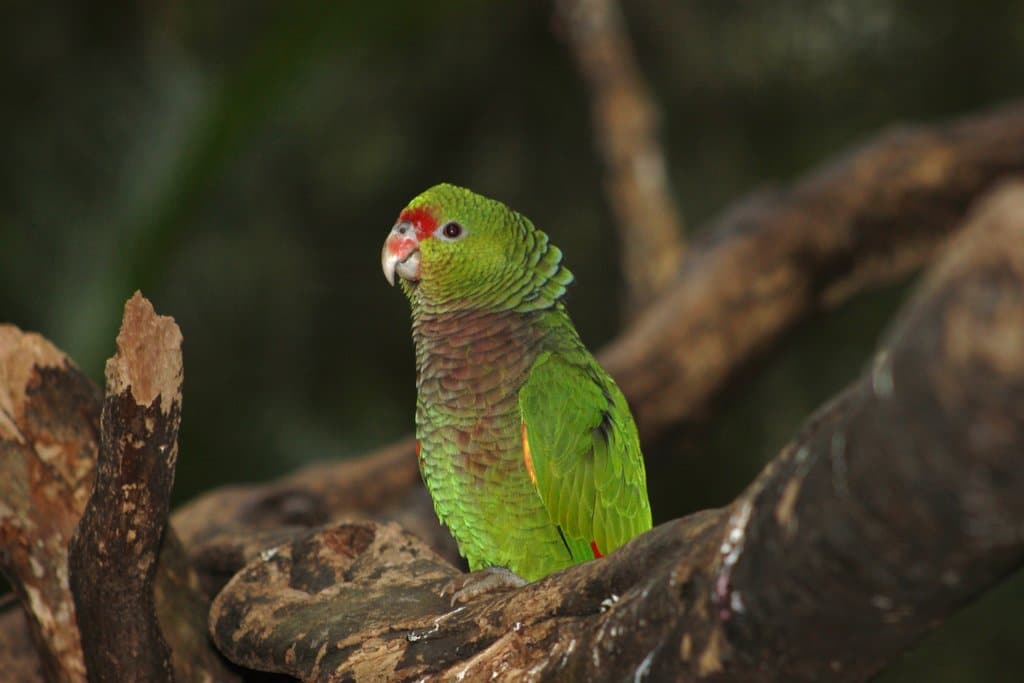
column 872, row 216
column 895, row 504
column 48, row 442
column 903, row 499
column 113, row 553
column 227, row 527
column 625, row 123
column 49, row 439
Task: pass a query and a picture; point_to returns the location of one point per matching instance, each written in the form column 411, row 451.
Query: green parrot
column 526, row 445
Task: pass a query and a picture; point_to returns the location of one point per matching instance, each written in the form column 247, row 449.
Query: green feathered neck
column 530, row 276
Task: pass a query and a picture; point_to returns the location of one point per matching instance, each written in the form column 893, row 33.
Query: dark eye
column 452, row 230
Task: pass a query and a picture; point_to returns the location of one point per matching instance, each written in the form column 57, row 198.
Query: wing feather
column 585, row 452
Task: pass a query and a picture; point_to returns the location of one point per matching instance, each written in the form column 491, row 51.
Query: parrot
column 526, row 445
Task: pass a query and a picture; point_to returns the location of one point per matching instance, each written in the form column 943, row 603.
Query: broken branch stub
column 49, row 440
column 895, row 504
column 113, row 555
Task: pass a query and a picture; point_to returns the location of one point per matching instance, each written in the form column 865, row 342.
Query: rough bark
column 49, row 441
column 227, row 527
column 19, row 655
column 896, row 503
column 625, row 121
column 873, row 216
column 49, row 412
column 182, row 608
column 113, row 554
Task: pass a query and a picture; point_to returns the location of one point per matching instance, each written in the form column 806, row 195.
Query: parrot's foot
column 488, row 580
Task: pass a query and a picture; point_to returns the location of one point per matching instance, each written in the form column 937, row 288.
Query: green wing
column 585, row 453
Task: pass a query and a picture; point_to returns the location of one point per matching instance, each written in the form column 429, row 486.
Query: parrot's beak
column 401, row 254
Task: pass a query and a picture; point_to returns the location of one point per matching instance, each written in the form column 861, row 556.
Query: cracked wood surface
column 49, row 413
column 226, row 528
column 895, row 504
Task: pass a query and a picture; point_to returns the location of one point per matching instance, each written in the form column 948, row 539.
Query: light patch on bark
column 8, row 430
column 20, row 354
column 1000, row 348
column 148, row 359
column 732, row 546
column 787, row 502
column 711, row 658
column 644, row 669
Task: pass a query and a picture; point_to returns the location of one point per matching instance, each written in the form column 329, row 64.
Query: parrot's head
column 454, row 248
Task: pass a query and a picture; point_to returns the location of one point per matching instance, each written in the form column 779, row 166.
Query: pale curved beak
column 401, row 254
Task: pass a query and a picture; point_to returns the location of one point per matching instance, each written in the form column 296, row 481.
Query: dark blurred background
column 241, row 163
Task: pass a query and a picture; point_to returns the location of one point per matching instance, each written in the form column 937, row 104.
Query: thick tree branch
column 49, row 412
column 904, row 498
column 113, row 554
column 625, row 126
column 227, row 527
column 776, row 257
column 897, row 502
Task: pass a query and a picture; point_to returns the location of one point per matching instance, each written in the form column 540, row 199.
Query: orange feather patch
column 528, row 458
column 528, row 462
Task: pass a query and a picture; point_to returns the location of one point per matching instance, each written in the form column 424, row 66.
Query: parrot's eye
column 452, row 230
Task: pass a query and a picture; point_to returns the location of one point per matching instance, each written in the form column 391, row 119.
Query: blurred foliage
column 241, row 163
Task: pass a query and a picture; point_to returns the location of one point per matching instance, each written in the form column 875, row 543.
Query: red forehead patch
column 421, row 220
